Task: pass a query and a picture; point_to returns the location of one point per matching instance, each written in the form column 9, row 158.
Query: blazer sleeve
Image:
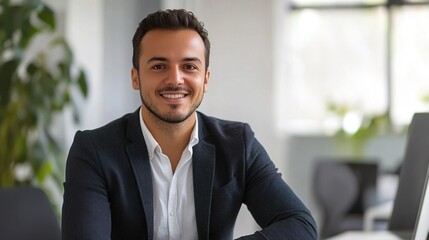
column 272, row 203
column 86, row 209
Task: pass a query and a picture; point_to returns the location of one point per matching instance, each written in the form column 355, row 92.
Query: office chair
column 344, row 188
column 366, row 173
column 26, row 213
column 336, row 188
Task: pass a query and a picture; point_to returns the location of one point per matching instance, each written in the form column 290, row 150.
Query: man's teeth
column 173, row 96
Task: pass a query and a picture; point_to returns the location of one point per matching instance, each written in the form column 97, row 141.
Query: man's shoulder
column 210, row 120
column 222, row 127
column 115, row 127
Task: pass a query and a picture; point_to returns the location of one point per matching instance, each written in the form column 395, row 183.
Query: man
column 167, row 171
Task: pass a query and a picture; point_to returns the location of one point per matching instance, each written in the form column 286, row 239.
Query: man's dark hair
column 176, row 19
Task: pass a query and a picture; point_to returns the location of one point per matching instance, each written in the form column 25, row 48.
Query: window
column 370, row 58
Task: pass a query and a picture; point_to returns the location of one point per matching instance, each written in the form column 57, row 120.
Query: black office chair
column 342, row 178
column 26, row 214
column 336, row 189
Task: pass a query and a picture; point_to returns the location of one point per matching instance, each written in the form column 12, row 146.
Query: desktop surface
column 376, row 235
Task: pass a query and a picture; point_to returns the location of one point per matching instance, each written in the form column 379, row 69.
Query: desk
column 374, row 213
column 386, row 191
column 358, row 235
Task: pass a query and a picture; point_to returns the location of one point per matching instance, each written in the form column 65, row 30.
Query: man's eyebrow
column 191, row 59
column 161, row 59
column 164, row 59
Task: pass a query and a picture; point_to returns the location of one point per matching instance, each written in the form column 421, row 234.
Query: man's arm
column 272, row 203
column 86, row 210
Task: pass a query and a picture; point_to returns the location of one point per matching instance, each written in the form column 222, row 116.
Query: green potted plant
column 38, row 80
column 368, row 126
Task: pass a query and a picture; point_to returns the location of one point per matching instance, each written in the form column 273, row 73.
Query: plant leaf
column 44, row 171
column 75, row 112
column 7, row 71
column 32, row 69
column 82, row 83
column 28, row 32
column 61, row 42
column 47, row 16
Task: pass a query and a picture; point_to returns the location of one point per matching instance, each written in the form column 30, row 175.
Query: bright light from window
column 332, row 57
column 343, row 2
column 339, row 57
column 352, row 122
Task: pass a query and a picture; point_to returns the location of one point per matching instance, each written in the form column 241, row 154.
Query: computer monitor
column 421, row 231
column 412, row 176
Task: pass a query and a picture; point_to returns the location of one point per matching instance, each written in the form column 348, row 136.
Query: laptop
column 410, row 214
column 412, row 179
column 421, row 231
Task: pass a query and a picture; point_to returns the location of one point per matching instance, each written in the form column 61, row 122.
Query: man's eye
column 189, row 67
column 158, row 67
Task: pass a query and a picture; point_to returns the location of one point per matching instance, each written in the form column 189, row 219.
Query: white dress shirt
column 173, row 193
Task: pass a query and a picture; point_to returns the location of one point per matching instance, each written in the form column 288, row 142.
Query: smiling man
column 167, row 171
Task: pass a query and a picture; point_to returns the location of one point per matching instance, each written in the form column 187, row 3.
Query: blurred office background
column 316, row 79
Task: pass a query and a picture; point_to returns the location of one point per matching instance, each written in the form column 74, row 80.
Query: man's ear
column 206, row 80
column 135, row 79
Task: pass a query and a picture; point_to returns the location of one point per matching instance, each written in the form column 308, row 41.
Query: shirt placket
column 173, row 225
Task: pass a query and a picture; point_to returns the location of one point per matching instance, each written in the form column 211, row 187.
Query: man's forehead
column 164, row 43
column 166, row 35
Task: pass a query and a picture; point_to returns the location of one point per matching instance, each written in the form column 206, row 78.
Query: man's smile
column 173, row 95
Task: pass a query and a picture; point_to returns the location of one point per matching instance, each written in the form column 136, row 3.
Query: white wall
column 100, row 33
column 84, row 31
column 241, row 85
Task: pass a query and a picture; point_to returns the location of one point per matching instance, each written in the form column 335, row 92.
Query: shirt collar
column 152, row 145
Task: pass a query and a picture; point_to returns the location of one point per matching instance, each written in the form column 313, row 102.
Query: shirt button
column 172, row 213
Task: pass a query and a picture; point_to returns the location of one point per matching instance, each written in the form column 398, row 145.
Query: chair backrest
column 26, row 213
column 335, row 188
column 366, row 172
column 412, row 175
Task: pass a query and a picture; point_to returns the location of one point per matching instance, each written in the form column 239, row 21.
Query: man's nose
column 175, row 76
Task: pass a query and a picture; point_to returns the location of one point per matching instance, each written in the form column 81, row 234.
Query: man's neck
column 171, row 137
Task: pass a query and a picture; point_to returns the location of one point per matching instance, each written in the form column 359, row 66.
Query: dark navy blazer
column 108, row 187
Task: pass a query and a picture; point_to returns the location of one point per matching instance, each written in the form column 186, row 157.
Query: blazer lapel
column 203, row 173
column 139, row 159
column 203, row 161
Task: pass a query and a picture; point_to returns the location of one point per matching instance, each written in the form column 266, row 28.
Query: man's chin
column 174, row 118
column 172, row 114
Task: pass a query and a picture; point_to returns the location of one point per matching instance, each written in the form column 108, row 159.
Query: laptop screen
column 412, row 176
column 421, row 231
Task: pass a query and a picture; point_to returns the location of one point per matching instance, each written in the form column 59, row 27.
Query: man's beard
column 169, row 117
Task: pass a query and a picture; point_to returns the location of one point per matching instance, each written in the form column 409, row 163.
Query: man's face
column 171, row 76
